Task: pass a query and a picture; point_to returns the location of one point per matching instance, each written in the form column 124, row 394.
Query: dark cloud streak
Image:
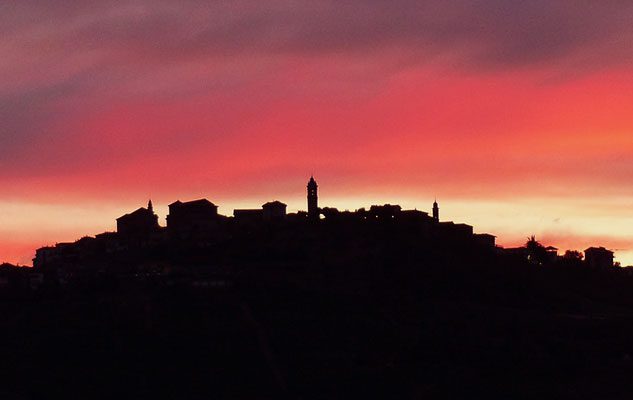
column 498, row 33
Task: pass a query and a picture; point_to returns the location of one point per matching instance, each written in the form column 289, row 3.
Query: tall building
column 313, row 201
column 436, row 212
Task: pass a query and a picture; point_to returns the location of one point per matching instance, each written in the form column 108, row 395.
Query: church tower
column 436, row 212
column 150, row 206
column 313, row 202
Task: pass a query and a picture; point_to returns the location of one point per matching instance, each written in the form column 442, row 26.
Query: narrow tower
column 150, row 206
column 313, row 202
column 436, row 212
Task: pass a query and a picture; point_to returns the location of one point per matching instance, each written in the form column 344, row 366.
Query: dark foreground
column 448, row 334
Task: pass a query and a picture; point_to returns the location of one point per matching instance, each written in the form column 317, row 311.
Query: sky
column 517, row 116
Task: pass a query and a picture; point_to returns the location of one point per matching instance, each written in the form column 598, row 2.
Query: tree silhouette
column 573, row 255
column 536, row 252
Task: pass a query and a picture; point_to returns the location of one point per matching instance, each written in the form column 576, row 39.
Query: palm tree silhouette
column 537, row 253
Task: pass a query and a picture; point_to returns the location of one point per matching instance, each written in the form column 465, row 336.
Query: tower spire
column 436, row 211
column 313, row 200
column 150, row 206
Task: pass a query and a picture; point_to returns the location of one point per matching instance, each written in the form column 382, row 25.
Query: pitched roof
column 140, row 211
column 595, row 249
column 192, row 202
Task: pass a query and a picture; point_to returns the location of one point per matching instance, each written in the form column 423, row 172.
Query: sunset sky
column 518, row 116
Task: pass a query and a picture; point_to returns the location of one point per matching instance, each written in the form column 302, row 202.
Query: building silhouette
column 191, row 218
column 485, row 239
column 271, row 211
column 138, row 223
column 598, row 257
column 436, row 212
column 386, row 211
column 313, row 200
column 274, row 211
column 248, row 215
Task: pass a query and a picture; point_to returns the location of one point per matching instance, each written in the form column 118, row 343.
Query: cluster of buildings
column 198, row 217
column 198, row 222
column 194, row 220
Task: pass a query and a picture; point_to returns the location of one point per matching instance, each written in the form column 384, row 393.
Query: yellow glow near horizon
column 564, row 223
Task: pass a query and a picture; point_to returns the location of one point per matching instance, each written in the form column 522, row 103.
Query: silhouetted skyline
column 195, row 225
column 517, row 113
column 144, row 221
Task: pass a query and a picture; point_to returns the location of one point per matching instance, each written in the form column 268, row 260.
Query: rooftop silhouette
column 196, row 231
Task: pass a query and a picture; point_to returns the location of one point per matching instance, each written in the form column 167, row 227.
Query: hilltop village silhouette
column 197, row 236
column 321, row 304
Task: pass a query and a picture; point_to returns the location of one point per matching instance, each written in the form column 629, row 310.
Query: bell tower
column 436, row 212
column 313, row 200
